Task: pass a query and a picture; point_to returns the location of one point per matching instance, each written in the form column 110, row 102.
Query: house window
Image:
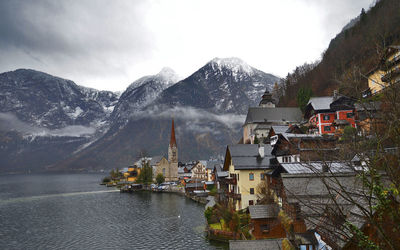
column 251, row 176
column 264, row 228
column 349, row 115
column 251, row 202
column 326, row 118
column 251, row 190
column 327, row 128
column 262, row 176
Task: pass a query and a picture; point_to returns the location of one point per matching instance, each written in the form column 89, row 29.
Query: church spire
column 172, row 142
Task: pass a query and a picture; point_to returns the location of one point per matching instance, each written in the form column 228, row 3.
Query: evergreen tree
column 160, row 178
column 303, row 96
column 256, row 140
column 146, row 174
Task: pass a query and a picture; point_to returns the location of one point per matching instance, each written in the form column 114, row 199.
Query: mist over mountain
column 49, row 123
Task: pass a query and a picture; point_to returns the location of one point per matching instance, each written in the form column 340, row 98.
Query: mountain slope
column 51, row 102
column 227, row 85
column 208, row 108
column 141, row 93
column 356, row 49
column 44, row 119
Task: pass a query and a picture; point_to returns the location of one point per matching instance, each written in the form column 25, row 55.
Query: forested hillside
column 354, row 51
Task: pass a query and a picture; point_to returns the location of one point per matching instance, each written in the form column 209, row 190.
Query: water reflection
column 73, row 211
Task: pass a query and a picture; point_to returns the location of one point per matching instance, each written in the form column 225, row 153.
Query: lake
column 72, row 211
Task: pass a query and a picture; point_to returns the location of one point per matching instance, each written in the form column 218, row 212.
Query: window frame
column 251, row 176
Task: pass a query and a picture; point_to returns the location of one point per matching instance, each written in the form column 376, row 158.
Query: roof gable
column 320, row 103
column 261, row 114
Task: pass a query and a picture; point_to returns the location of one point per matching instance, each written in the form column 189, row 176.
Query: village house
column 265, row 222
column 219, row 176
column 305, row 196
column 387, row 72
column 328, row 113
column 259, row 121
column 132, row 173
column 247, row 165
column 289, row 147
column 368, row 117
column 210, row 165
column 199, row 171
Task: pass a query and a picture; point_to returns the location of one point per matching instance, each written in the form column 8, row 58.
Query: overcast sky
column 108, row 44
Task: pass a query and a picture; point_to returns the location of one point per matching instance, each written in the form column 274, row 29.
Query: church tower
column 173, row 155
column 267, row 101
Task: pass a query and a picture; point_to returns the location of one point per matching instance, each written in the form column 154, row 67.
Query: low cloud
column 197, row 120
column 9, row 122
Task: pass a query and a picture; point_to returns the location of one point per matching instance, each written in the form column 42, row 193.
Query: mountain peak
column 232, row 63
column 168, row 74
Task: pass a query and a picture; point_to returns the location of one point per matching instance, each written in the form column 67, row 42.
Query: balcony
column 231, row 181
column 393, row 62
column 234, row 196
column 390, row 75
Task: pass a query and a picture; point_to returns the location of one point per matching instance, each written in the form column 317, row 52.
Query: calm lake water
column 75, row 212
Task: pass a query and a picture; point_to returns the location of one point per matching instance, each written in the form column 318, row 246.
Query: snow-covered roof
column 264, row 115
column 321, row 103
column 316, row 167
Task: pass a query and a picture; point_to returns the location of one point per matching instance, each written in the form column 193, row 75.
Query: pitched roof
column 248, row 150
column 194, row 185
column 211, row 164
column 316, row 167
column 321, row 103
column 280, row 129
column 246, row 156
column 369, row 106
column 155, row 159
column 264, row 211
column 267, row 244
column 242, row 163
column 260, row 114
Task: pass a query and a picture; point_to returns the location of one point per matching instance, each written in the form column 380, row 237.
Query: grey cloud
column 73, row 37
column 9, row 122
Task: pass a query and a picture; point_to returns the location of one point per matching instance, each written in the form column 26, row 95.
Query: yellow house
column 247, row 165
column 375, row 83
column 132, row 174
column 387, row 72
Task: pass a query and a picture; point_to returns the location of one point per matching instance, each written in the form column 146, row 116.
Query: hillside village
column 276, row 187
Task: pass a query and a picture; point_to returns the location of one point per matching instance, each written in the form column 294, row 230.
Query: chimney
column 335, row 94
column 261, row 150
column 325, row 167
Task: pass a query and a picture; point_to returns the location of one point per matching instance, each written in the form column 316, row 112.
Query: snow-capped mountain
column 208, row 108
column 46, row 121
column 141, row 93
column 42, row 100
column 223, row 85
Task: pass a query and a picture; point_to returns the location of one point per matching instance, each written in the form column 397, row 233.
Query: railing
column 234, row 196
column 387, row 77
column 393, row 62
column 231, row 181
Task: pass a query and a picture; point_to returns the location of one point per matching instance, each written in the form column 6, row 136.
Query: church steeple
column 173, row 140
column 267, row 101
column 172, row 148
